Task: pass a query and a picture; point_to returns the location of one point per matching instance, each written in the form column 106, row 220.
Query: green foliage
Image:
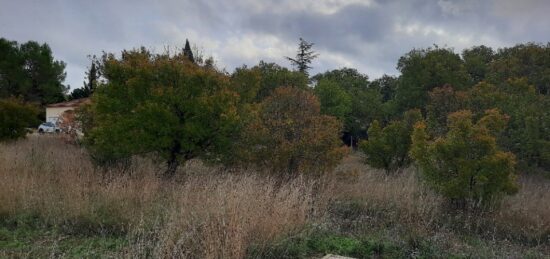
column 423, row 70
column 387, row 86
column 247, row 83
column 38, row 241
column 160, row 104
column 188, row 52
column 366, row 102
column 15, row 117
column 443, row 100
column 388, row 147
column 466, row 165
column 531, row 61
column 528, row 132
column 335, row 101
column 477, row 62
column 257, row 83
column 349, row 79
column 289, row 135
column 29, row 71
column 92, row 76
column 320, row 243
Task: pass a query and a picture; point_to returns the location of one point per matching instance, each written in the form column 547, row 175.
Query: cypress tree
column 188, row 52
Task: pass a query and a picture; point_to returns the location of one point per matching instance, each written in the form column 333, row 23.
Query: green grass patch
column 317, row 243
column 40, row 242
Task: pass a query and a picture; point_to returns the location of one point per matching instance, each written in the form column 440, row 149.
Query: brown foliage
column 288, row 134
column 70, row 126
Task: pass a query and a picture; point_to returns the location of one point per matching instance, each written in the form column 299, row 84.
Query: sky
column 369, row 35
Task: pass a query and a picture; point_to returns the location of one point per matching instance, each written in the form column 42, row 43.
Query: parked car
column 48, row 127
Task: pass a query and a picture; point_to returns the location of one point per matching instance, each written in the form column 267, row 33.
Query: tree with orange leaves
column 289, row 135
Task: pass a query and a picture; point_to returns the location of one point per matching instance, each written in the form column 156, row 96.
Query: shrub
column 465, row 165
column 289, row 135
column 15, row 117
column 160, row 104
column 388, row 147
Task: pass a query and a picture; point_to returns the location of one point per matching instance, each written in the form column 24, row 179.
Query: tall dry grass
column 402, row 198
column 211, row 213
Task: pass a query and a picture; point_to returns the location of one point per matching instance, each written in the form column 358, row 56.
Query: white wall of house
column 53, row 113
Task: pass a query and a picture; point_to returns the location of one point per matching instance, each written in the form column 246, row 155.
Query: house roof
column 72, row 103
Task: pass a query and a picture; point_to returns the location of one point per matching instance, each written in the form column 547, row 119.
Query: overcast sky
column 369, row 35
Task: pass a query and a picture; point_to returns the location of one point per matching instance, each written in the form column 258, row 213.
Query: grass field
column 55, row 203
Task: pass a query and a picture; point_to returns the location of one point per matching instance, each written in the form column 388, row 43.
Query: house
column 55, row 110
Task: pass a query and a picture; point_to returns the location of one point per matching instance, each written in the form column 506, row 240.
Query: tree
column 349, row 79
column 388, row 148
column 443, row 100
column 188, row 52
column 477, row 61
column 13, row 78
column 366, row 102
column 30, row 72
column 163, row 105
column 466, row 165
column 273, row 76
column 334, row 100
column 15, row 117
column 528, row 132
column 304, row 57
column 423, row 70
column 290, row 136
column 387, row 85
column 530, row 61
column 45, row 76
column 92, row 76
column 247, row 83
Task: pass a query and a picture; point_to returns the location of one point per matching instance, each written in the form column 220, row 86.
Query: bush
column 465, row 165
column 388, row 147
column 159, row 104
column 289, row 135
column 15, row 117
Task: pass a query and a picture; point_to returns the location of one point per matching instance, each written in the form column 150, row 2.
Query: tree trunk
column 292, row 166
column 171, row 167
column 173, row 162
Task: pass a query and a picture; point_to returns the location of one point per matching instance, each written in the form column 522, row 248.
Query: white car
column 48, row 127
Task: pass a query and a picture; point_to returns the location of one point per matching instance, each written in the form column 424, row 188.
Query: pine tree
column 188, row 52
column 304, row 57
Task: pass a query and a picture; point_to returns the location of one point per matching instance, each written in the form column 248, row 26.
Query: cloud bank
column 369, row 35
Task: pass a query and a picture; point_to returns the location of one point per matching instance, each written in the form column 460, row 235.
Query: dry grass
column 214, row 214
column 210, row 215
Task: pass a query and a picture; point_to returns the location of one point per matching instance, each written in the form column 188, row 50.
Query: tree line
column 468, row 121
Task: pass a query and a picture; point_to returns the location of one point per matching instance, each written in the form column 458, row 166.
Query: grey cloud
column 369, row 35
